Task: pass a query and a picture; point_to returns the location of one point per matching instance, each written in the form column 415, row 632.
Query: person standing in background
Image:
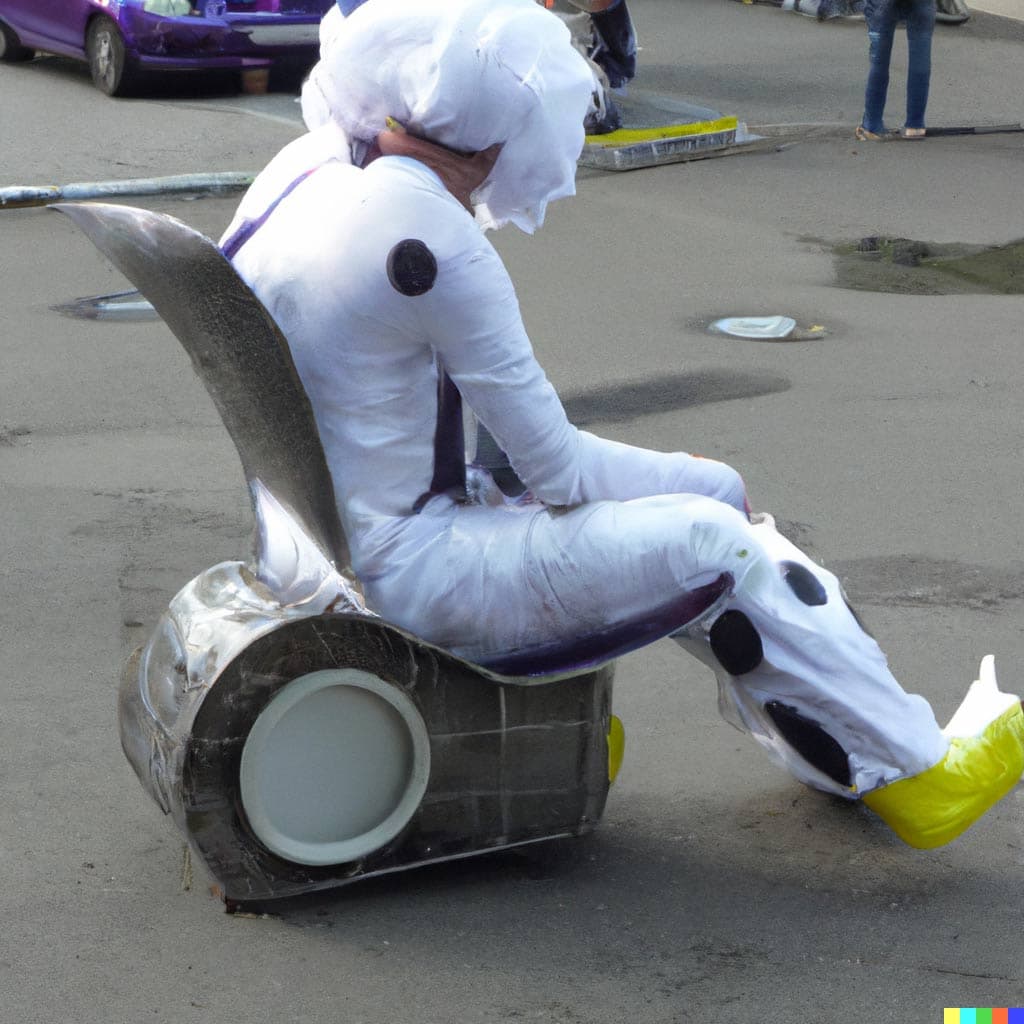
column 882, row 16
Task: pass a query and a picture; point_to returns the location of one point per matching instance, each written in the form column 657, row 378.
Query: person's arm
column 462, row 173
column 473, row 320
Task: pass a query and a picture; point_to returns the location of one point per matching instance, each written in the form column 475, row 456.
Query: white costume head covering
column 465, row 74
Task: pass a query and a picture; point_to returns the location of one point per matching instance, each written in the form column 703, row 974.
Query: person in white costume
column 365, row 243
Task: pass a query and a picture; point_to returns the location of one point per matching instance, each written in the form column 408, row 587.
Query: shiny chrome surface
column 209, row 622
column 511, row 760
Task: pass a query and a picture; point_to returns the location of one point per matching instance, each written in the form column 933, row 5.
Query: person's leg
column 881, row 22
column 795, row 667
column 920, row 25
column 797, row 670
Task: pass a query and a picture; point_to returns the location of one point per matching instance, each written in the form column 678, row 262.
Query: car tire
column 11, row 49
column 108, row 61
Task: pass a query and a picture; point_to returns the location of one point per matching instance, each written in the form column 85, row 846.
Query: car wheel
column 11, row 49
column 108, row 62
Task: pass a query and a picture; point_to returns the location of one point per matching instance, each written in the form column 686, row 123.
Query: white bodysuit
column 614, row 535
column 393, row 303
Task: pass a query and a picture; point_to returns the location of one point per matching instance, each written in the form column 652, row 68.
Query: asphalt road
column 716, row 889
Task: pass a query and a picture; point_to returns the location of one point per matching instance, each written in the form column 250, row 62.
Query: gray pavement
column 716, row 888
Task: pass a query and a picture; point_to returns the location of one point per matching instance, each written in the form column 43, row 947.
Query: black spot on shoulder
column 412, row 268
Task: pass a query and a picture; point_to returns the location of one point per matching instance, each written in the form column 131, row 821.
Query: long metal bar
column 977, row 129
column 19, row 196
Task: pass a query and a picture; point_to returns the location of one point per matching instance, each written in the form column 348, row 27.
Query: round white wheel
column 334, row 767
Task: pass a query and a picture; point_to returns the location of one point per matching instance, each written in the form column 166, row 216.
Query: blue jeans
column 882, row 17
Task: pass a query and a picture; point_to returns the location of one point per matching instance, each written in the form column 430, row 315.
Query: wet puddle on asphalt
column 909, row 267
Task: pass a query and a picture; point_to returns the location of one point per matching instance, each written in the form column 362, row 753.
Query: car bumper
column 230, row 41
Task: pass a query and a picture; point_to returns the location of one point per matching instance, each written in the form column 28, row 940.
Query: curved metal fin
column 239, row 353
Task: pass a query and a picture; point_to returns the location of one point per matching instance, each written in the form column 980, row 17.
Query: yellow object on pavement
column 933, row 808
column 616, row 746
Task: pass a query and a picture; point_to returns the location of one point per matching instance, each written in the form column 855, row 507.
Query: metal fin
column 239, row 353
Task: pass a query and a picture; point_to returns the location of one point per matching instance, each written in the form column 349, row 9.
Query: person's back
column 360, row 344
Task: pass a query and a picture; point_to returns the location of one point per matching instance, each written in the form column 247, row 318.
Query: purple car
column 121, row 38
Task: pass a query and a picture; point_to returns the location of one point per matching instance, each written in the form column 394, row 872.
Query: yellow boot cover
column 932, row 808
column 616, row 746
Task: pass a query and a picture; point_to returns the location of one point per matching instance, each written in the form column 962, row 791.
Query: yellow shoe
column 985, row 760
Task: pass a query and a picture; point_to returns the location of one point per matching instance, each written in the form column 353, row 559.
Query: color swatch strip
column 983, row 1015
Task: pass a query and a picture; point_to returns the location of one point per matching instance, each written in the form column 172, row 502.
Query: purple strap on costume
column 449, row 445
column 590, row 650
column 250, row 225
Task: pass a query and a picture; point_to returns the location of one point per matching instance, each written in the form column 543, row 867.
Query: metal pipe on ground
column 20, row 196
column 977, row 129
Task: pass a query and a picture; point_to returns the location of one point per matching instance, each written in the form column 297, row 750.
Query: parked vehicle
column 121, row 40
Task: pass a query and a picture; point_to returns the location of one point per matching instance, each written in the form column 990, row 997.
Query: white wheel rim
column 335, row 766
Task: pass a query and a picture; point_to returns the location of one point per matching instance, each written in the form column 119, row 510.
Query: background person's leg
column 920, row 26
column 881, row 22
